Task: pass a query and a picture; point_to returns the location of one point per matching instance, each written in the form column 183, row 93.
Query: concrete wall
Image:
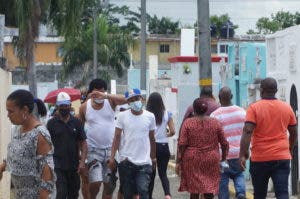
column 50, row 73
column 5, row 82
column 44, row 52
column 153, row 49
column 283, row 63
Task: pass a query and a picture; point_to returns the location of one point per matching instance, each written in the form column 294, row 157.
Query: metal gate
column 294, row 165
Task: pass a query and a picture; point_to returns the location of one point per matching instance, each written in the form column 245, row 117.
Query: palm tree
column 112, row 46
column 28, row 14
column 66, row 15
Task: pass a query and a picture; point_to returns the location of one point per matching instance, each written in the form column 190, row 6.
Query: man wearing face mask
column 137, row 153
column 98, row 113
column 69, row 140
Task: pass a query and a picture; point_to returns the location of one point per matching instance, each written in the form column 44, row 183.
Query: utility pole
column 95, row 55
column 143, row 45
column 204, row 43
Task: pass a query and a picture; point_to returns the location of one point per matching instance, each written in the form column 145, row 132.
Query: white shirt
column 135, row 140
column 99, row 125
column 161, row 130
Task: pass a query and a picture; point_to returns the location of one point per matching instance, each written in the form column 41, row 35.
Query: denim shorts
column 97, row 162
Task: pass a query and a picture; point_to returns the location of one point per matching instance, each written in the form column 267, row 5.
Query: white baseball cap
column 63, row 98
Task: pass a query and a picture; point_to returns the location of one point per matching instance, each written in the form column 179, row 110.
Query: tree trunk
column 31, row 76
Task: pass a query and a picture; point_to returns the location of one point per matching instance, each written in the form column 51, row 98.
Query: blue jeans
column 135, row 177
column 235, row 173
column 278, row 170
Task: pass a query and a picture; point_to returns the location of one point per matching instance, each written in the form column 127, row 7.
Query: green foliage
column 251, row 32
column 7, row 8
column 112, row 47
column 156, row 25
column 162, row 26
column 267, row 26
column 217, row 22
column 277, row 21
column 66, row 15
column 28, row 14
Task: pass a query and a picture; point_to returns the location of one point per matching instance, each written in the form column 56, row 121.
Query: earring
column 24, row 116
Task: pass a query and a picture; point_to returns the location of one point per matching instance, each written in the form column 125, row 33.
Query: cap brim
column 133, row 95
column 66, row 102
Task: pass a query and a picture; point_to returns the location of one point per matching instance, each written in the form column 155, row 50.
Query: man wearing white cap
column 68, row 137
column 137, row 152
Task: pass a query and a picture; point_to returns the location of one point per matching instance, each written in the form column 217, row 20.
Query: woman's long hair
column 156, row 105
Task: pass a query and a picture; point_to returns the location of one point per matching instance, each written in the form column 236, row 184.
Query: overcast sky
column 244, row 13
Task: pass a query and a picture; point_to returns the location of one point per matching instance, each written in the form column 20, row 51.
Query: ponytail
column 41, row 108
column 25, row 98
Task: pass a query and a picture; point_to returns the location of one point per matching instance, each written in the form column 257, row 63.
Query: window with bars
column 164, row 48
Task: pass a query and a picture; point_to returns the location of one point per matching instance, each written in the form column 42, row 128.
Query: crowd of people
column 97, row 146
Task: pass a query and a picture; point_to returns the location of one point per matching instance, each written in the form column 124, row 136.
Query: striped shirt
column 232, row 119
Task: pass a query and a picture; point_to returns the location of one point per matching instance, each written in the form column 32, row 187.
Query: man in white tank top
column 98, row 113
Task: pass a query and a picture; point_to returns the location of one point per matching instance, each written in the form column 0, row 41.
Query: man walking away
column 232, row 119
column 207, row 96
column 267, row 122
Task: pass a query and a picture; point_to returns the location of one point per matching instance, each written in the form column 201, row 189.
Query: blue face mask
column 136, row 106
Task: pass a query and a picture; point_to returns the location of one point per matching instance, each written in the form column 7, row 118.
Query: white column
column 5, row 130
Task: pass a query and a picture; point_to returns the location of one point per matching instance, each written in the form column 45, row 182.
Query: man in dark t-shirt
column 70, row 148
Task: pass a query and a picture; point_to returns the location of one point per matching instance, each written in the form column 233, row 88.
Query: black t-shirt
column 66, row 138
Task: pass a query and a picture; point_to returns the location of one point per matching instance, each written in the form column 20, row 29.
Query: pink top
column 232, row 119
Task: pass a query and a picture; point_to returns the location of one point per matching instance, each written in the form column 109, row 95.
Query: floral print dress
column 26, row 166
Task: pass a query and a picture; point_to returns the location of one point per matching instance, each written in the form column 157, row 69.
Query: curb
column 249, row 195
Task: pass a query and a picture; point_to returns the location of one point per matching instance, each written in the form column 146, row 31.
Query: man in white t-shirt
column 137, row 153
column 98, row 113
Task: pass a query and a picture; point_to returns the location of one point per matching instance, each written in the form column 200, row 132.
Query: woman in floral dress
column 198, row 160
column 29, row 156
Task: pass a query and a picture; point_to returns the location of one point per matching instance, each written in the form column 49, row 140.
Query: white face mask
column 99, row 101
column 136, row 106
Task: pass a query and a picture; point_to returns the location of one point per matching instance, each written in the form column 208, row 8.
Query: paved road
column 174, row 183
column 158, row 191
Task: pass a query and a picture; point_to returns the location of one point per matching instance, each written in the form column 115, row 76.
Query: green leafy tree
column 6, row 9
column 218, row 23
column 266, row 26
column 283, row 19
column 297, row 18
column 112, row 46
column 277, row 21
column 66, row 16
column 163, row 25
column 29, row 14
column 251, row 32
column 155, row 24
